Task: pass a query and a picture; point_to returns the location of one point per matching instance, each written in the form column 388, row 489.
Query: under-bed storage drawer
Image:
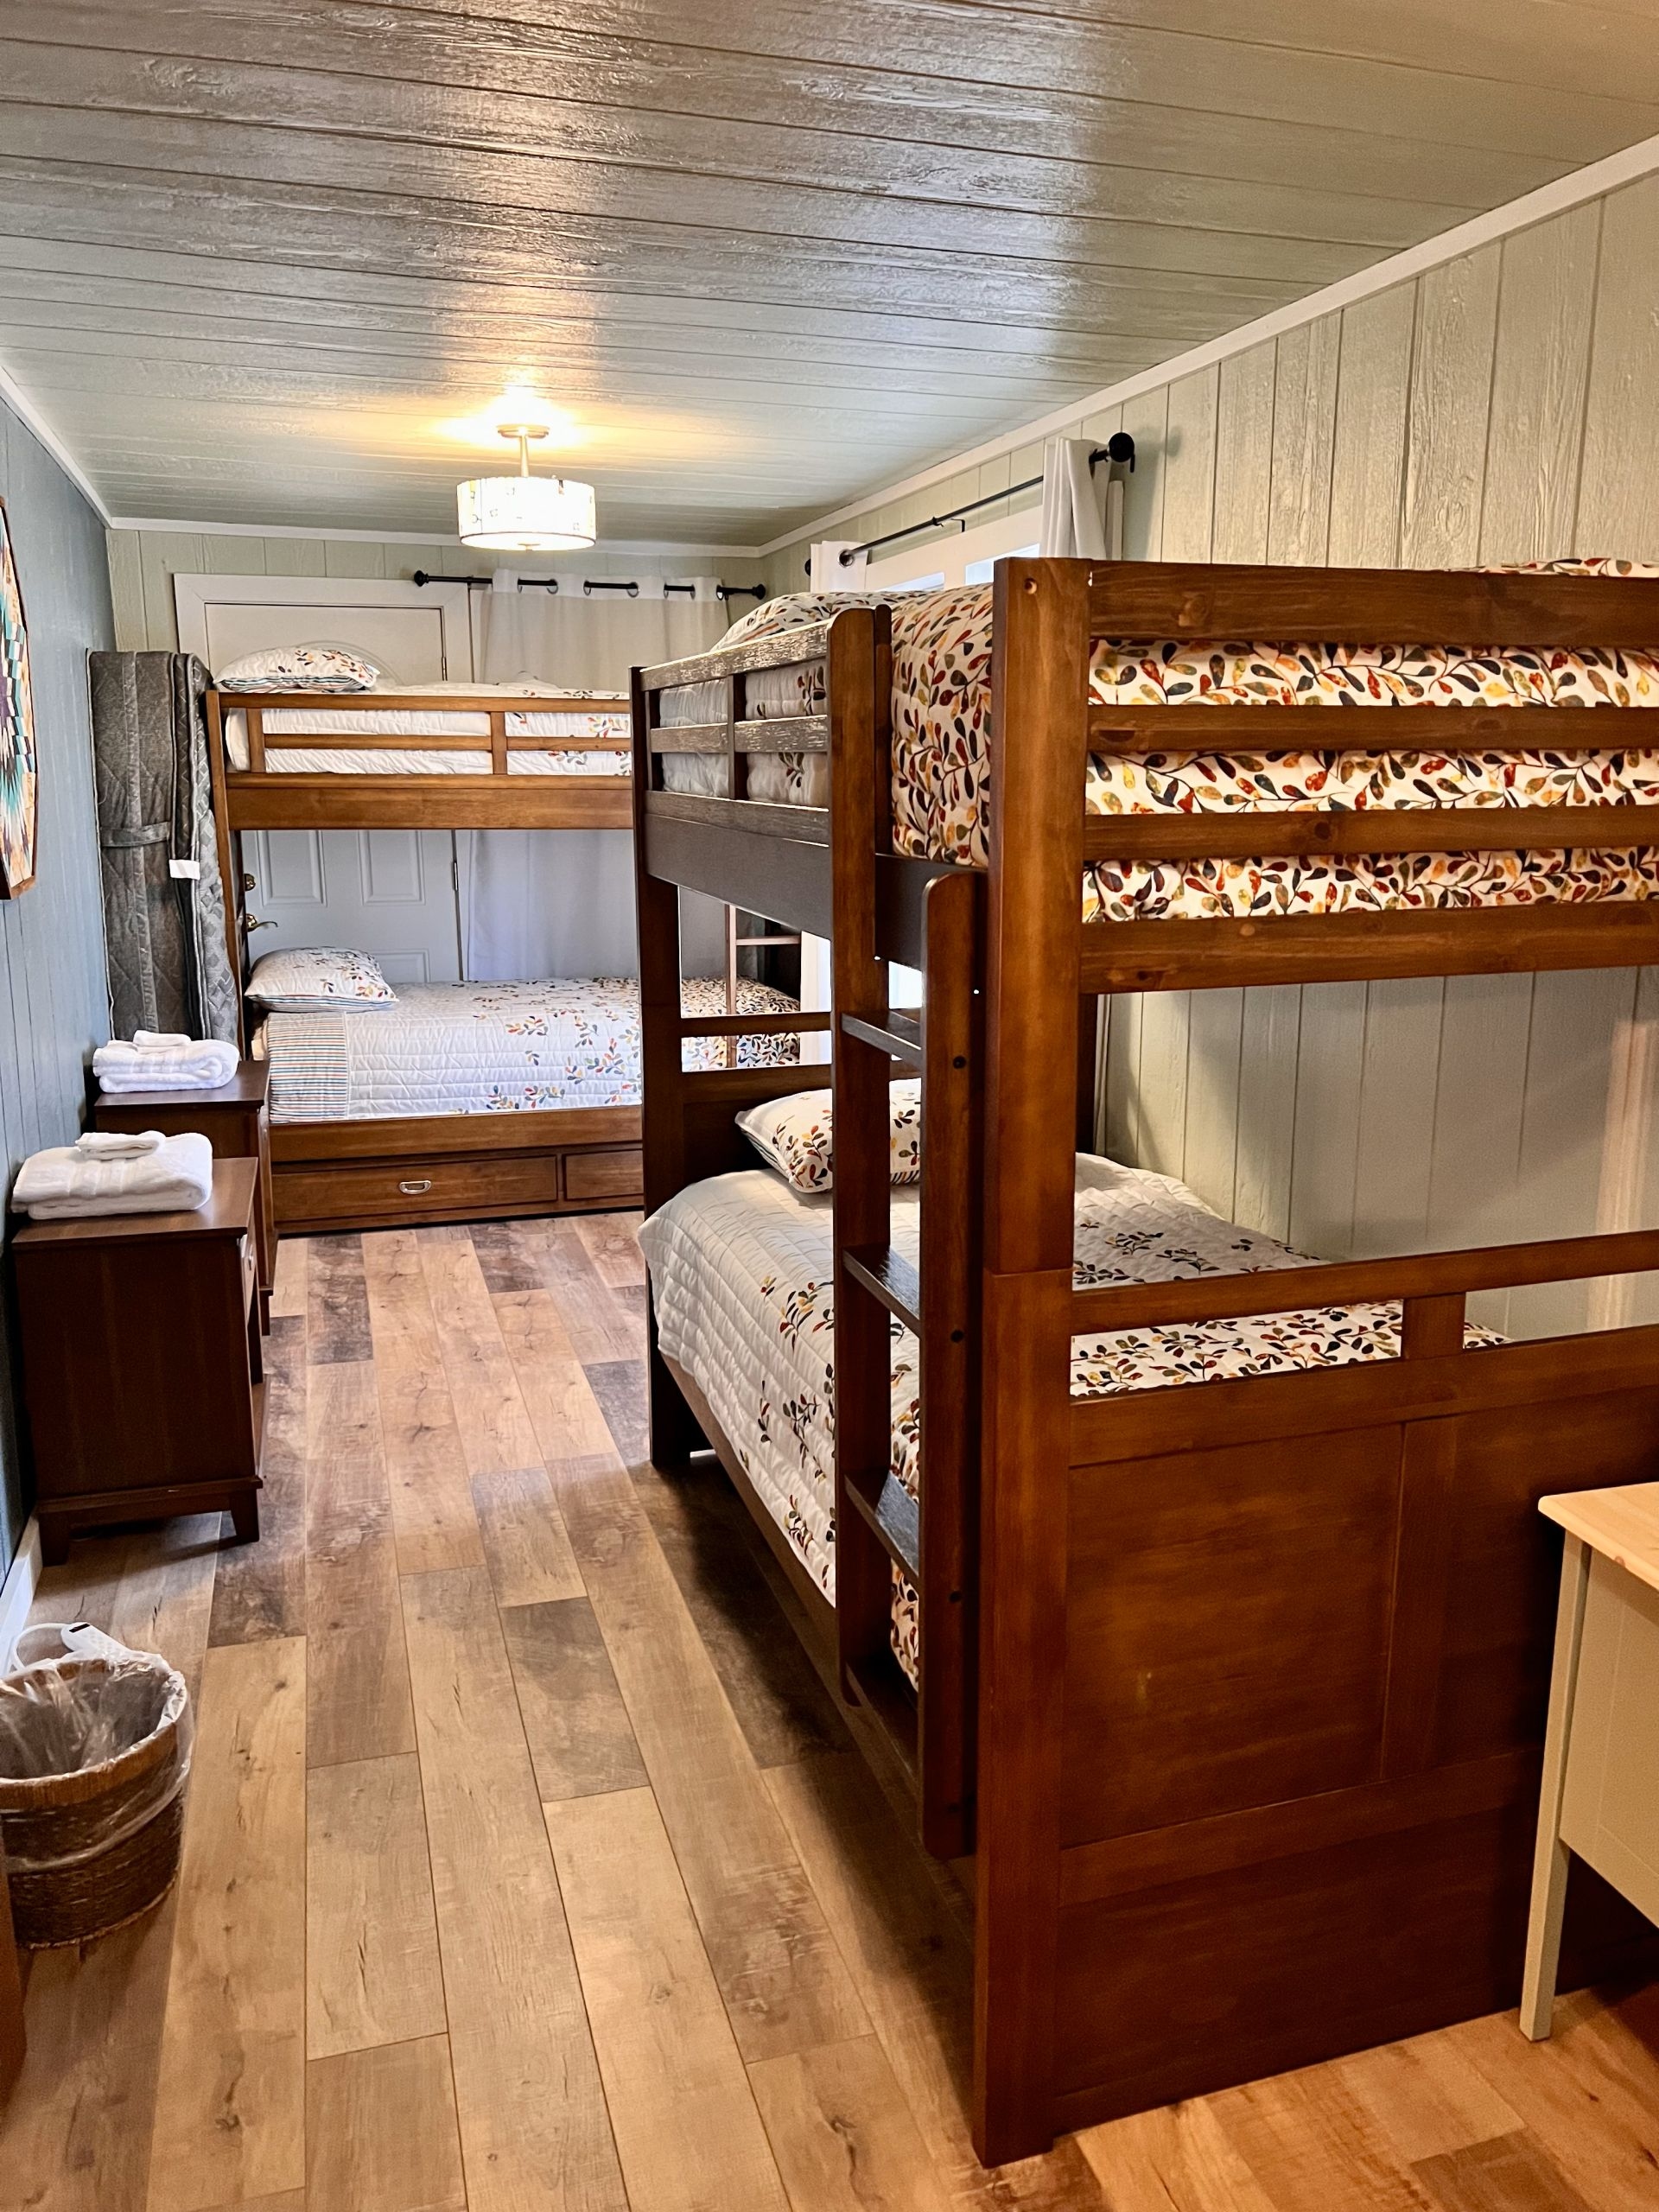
column 407, row 1188
column 619, row 1174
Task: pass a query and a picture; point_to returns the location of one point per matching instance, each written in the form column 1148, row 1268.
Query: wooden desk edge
column 1622, row 1523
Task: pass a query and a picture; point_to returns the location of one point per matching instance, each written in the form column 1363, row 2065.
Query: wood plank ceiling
column 259, row 258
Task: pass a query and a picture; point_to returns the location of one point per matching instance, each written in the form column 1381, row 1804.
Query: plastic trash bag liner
column 95, row 1741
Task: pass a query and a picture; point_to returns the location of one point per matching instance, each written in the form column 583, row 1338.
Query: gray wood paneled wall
column 53, row 996
column 1503, row 406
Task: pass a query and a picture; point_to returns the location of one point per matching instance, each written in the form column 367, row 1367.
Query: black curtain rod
column 1119, row 447
column 591, row 584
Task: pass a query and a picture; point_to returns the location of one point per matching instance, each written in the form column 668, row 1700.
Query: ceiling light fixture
column 525, row 514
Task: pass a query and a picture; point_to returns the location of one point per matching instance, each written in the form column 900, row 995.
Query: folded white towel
column 66, row 1183
column 156, row 1040
column 195, row 1065
column 118, row 1144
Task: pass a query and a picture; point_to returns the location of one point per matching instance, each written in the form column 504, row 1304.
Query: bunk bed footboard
column 1308, row 1629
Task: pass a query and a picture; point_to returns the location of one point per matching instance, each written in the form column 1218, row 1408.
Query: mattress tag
column 189, row 870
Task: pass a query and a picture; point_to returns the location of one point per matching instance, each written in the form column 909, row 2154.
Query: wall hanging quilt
column 19, row 769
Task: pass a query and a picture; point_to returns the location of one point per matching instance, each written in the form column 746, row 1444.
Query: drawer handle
column 414, row 1190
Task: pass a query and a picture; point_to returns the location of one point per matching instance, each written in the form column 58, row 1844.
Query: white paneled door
column 414, row 633
column 390, row 893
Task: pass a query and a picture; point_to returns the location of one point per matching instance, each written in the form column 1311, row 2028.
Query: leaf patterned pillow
column 796, row 1135
column 318, row 978
column 300, row 668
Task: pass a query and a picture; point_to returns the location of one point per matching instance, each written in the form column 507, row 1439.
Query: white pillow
column 320, row 979
column 300, row 668
column 796, row 1135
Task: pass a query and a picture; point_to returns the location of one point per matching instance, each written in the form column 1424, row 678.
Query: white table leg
column 1549, row 1865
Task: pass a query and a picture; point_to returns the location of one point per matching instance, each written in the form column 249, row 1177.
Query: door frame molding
column 193, row 595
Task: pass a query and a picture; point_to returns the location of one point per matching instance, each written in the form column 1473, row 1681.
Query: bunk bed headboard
column 690, row 1124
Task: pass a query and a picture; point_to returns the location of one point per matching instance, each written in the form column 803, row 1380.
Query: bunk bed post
column 862, row 1072
column 674, row 1434
column 1038, row 766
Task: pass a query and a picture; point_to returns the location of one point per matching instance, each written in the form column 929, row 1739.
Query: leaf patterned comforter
column 941, row 778
column 742, row 1271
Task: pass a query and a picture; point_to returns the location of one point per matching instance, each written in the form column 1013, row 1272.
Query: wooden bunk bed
column 1234, row 1689
column 338, row 1174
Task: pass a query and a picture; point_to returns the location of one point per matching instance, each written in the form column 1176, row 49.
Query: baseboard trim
column 18, row 1592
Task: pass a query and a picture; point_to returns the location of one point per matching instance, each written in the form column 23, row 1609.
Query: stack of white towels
column 108, row 1172
column 161, row 1059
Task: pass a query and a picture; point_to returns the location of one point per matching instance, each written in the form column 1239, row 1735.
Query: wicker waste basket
column 94, row 1755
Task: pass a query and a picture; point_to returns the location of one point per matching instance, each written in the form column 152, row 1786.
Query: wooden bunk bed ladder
column 931, row 1539
column 875, row 1525
column 952, row 1150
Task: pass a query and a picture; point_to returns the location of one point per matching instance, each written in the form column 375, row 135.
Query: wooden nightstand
column 235, row 1122
column 142, row 1373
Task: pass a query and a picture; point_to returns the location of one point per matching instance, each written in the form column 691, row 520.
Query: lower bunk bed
column 742, row 1274
column 1303, row 1637
column 473, row 1101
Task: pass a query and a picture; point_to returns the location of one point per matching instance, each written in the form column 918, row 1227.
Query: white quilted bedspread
column 488, row 1048
column 741, row 1270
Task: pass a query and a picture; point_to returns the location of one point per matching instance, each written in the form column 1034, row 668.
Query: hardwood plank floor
column 259, row 1589
column 686, row 2125
column 381, row 2131
column 371, row 1940
column 527, row 2090
column 426, row 1472
column 580, row 1740
column 525, row 1545
column 528, row 1864
column 230, row 2111
column 359, row 1678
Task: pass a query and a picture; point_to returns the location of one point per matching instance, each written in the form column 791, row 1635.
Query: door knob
column 251, row 922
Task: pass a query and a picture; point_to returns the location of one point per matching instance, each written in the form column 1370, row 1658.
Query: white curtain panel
column 559, row 902
column 546, row 903
column 1074, row 519
column 588, row 642
column 827, row 572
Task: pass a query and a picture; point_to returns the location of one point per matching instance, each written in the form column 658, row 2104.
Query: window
column 979, row 572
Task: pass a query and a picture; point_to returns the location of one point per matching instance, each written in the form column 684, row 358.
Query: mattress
column 489, row 1048
column 781, row 778
column 941, row 776
column 741, row 1270
column 325, row 719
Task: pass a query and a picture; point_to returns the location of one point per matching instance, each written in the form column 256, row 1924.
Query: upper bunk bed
column 473, row 756
column 1193, row 789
